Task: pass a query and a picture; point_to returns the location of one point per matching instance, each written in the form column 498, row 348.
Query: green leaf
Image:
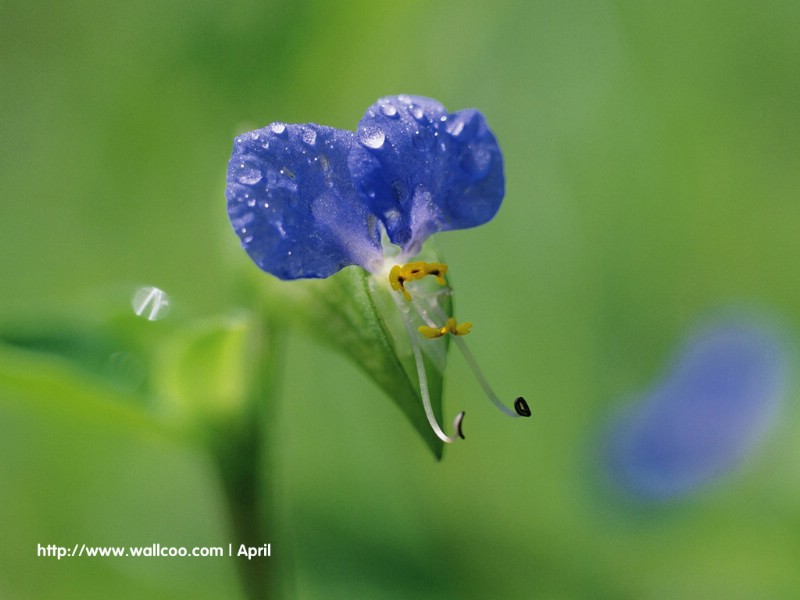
column 199, row 378
column 355, row 313
column 56, row 383
column 214, row 373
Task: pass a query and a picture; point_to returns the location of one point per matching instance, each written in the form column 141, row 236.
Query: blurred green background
column 653, row 173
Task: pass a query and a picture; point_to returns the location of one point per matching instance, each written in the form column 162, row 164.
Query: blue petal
column 422, row 170
column 291, row 201
column 707, row 414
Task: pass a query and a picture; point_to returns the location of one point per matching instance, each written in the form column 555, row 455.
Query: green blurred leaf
column 355, row 313
column 198, row 377
column 210, row 371
column 57, row 383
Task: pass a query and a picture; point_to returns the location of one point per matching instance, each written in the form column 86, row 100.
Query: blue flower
column 422, row 170
column 705, row 416
column 292, row 201
column 307, row 200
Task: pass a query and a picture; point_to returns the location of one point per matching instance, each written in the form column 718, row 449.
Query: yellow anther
column 462, row 329
column 450, row 327
column 400, row 274
column 432, row 332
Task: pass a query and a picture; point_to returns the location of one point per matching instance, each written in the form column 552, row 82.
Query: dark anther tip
column 458, row 426
column 522, row 408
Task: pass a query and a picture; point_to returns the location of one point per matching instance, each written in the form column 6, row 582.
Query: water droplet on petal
column 248, row 173
column 392, row 217
column 389, row 110
column 278, row 128
column 309, row 136
column 455, row 127
column 416, row 112
column 373, row 138
column 150, row 302
column 242, row 220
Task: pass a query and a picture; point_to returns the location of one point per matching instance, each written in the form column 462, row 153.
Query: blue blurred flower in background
column 306, row 200
column 713, row 407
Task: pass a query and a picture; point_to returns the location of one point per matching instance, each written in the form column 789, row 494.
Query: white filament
column 423, row 381
column 468, row 356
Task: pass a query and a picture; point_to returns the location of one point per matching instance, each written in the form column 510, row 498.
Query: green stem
column 243, row 455
column 242, row 469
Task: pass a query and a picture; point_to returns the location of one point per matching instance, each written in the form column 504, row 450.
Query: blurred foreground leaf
column 56, row 383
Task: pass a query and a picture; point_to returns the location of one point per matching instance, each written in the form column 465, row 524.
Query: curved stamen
column 462, row 345
column 521, row 408
column 423, row 386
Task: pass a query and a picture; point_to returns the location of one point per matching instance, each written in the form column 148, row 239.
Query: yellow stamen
column 414, row 271
column 450, row 327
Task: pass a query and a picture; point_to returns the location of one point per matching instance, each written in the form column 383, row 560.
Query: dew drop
column 455, row 127
column 373, row 138
column 309, row 136
column 389, row 110
column 392, row 217
column 251, row 202
column 366, row 189
column 278, row 128
column 416, row 112
column 248, row 173
column 150, row 302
